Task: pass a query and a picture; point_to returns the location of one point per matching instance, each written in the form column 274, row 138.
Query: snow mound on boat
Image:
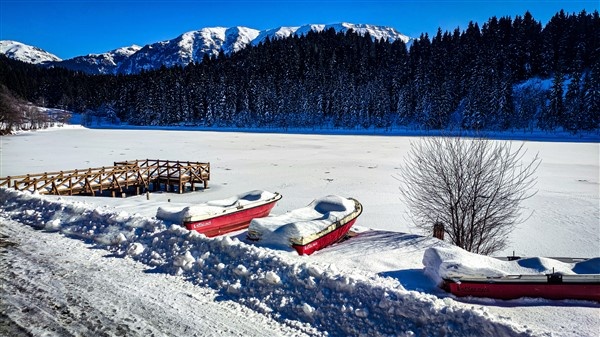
column 278, row 231
column 210, row 208
column 590, row 266
column 453, row 262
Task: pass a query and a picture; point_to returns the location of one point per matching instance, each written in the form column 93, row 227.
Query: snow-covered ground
column 103, row 265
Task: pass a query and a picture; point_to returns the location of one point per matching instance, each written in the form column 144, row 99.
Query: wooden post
column 180, row 177
column 71, row 184
column 438, row 230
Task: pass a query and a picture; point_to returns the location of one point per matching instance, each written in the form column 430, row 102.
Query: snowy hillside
column 376, row 32
column 188, row 47
column 374, row 284
column 105, row 63
column 25, row 53
column 192, row 46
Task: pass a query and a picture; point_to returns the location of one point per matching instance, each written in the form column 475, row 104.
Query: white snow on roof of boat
column 276, row 231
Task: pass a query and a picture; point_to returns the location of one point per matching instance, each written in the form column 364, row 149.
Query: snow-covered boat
column 223, row 216
column 468, row 274
column 553, row 286
column 323, row 222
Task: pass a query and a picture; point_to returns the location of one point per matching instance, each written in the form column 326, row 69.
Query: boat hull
column 231, row 221
column 507, row 290
column 324, row 241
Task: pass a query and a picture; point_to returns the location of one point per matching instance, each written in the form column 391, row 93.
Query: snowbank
column 284, row 286
column 453, row 262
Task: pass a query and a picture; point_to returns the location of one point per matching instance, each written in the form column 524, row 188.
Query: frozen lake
column 564, row 218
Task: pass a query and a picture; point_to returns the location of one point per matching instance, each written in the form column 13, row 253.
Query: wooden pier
column 127, row 177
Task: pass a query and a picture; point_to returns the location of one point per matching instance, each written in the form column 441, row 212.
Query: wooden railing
column 121, row 178
column 172, row 173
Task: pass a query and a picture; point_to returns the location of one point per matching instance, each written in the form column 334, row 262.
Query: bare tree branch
column 473, row 186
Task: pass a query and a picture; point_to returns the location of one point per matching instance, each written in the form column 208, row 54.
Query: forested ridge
column 507, row 74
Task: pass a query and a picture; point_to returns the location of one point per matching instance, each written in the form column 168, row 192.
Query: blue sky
column 69, row 28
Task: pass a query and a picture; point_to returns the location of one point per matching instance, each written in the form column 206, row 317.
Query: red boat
column 219, row 217
column 553, row 286
column 323, row 222
column 307, row 245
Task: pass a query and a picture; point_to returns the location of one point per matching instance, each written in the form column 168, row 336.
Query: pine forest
column 504, row 74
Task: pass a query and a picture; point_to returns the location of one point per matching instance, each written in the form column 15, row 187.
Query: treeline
column 506, row 74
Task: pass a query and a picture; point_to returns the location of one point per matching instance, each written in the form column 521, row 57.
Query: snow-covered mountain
column 376, row 32
column 188, row 47
column 105, row 63
column 26, row 53
column 192, row 46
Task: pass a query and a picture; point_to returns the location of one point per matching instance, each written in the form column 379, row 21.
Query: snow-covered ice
column 108, row 266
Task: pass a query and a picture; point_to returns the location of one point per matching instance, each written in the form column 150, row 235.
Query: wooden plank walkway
column 127, row 177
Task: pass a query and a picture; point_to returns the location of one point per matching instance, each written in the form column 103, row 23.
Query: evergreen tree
column 590, row 113
column 573, row 105
column 555, row 109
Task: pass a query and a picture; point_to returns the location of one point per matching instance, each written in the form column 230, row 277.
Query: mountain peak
column 104, row 63
column 26, row 53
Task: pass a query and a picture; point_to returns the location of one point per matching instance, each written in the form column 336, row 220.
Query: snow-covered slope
column 26, row 53
column 105, row 63
column 188, row 47
column 275, row 33
column 78, row 291
column 192, row 46
column 376, row 32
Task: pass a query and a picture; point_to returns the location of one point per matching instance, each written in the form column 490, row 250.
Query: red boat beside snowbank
column 323, row 222
column 219, row 217
column 333, row 233
column 553, row 286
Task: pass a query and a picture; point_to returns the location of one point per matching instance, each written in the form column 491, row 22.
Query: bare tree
column 11, row 112
column 474, row 187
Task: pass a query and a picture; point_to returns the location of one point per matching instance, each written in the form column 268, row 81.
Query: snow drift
column 279, row 284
